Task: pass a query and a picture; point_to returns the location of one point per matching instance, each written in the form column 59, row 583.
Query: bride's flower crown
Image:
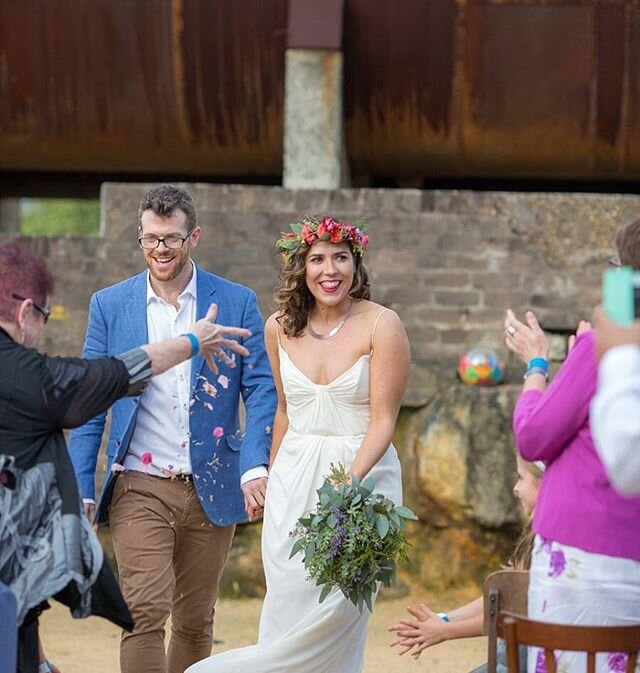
column 311, row 229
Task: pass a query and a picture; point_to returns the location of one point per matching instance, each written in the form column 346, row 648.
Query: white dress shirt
column 615, row 417
column 160, row 441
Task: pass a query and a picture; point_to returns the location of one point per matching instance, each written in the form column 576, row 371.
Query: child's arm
column 473, row 609
column 429, row 629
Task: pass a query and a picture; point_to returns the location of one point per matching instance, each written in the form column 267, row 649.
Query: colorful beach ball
column 481, row 366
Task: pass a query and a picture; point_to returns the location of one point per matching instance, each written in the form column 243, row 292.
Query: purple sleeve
column 544, row 423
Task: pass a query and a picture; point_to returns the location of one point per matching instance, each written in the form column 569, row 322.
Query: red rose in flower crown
column 311, row 229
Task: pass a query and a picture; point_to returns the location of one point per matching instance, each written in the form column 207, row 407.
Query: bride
column 340, row 364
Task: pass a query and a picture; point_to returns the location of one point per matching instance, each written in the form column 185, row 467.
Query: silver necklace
column 333, row 331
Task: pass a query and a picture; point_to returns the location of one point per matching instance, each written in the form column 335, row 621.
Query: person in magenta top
column 585, row 567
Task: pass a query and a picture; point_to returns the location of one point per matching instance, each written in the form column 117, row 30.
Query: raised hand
column 214, row 338
column 526, row 340
column 583, row 326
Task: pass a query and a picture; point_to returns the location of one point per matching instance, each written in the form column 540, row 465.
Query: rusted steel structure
column 542, row 89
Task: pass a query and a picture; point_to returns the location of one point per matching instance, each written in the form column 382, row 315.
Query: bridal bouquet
column 353, row 539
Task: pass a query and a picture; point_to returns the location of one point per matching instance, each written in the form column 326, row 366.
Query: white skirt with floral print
column 568, row 585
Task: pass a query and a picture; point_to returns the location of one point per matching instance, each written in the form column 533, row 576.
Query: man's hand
column 214, row 339
column 90, row 511
column 609, row 334
column 254, row 491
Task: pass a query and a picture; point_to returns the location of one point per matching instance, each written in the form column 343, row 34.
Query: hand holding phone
column 621, row 294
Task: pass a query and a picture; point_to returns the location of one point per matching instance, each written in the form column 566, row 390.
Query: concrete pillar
column 313, row 135
column 314, row 156
column 9, row 216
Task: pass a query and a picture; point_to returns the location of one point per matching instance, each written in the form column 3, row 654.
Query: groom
column 180, row 474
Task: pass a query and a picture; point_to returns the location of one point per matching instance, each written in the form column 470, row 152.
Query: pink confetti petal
column 218, row 432
column 146, row 458
column 209, row 389
column 223, row 381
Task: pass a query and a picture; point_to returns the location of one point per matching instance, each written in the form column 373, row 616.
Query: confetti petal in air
column 208, row 405
column 268, row 429
column 223, row 381
column 218, row 432
column 209, row 389
column 146, row 458
column 116, row 467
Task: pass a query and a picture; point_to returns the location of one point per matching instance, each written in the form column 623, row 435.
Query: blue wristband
column 195, row 344
column 539, row 362
column 536, row 370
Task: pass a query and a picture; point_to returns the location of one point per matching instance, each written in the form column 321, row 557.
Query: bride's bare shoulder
column 370, row 310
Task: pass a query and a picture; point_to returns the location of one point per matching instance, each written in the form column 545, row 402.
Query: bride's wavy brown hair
column 293, row 299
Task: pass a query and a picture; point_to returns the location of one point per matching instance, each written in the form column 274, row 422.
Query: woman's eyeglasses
column 45, row 312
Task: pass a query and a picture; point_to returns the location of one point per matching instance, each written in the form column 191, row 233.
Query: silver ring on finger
column 511, row 330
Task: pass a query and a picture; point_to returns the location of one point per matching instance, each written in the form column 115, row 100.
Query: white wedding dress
column 298, row 634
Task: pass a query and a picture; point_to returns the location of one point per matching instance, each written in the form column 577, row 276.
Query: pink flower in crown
column 364, row 240
column 336, row 235
column 288, row 234
column 322, row 227
column 308, row 235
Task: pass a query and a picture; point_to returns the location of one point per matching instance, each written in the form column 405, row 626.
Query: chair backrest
column 518, row 630
column 503, row 590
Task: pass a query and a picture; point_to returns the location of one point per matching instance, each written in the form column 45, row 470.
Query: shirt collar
column 190, row 290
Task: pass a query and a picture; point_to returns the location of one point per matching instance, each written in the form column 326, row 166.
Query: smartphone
column 621, row 294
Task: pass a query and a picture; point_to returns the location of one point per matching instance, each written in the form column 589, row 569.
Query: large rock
column 459, row 468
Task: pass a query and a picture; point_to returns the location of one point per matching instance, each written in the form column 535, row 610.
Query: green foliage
column 353, row 539
column 49, row 217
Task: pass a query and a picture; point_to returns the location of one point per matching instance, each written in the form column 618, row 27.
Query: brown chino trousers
column 170, row 560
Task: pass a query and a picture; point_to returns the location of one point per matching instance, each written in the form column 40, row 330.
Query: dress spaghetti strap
column 278, row 332
column 375, row 325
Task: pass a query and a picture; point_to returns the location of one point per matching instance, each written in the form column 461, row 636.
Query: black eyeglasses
column 171, row 242
column 45, row 312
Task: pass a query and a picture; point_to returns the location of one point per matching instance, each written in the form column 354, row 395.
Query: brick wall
column 449, row 262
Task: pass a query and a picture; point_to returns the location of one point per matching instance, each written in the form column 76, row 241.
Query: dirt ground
column 91, row 645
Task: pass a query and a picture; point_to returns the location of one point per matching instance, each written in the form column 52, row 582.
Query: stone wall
column 450, row 263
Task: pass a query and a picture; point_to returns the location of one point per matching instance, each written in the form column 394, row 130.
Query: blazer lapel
column 135, row 308
column 205, row 289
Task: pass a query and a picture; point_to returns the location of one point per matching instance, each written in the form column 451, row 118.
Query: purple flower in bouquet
column 353, row 538
column 617, row 662
column 557, row 563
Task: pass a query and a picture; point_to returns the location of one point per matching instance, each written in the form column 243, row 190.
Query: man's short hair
column 628, row 244
column 163, row 200
column 25, row 273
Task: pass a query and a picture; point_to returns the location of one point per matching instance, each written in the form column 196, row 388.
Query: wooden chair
column 503, row 590
column 518, row 630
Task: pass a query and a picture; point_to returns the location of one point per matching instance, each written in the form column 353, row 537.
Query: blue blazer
column 118, row 322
